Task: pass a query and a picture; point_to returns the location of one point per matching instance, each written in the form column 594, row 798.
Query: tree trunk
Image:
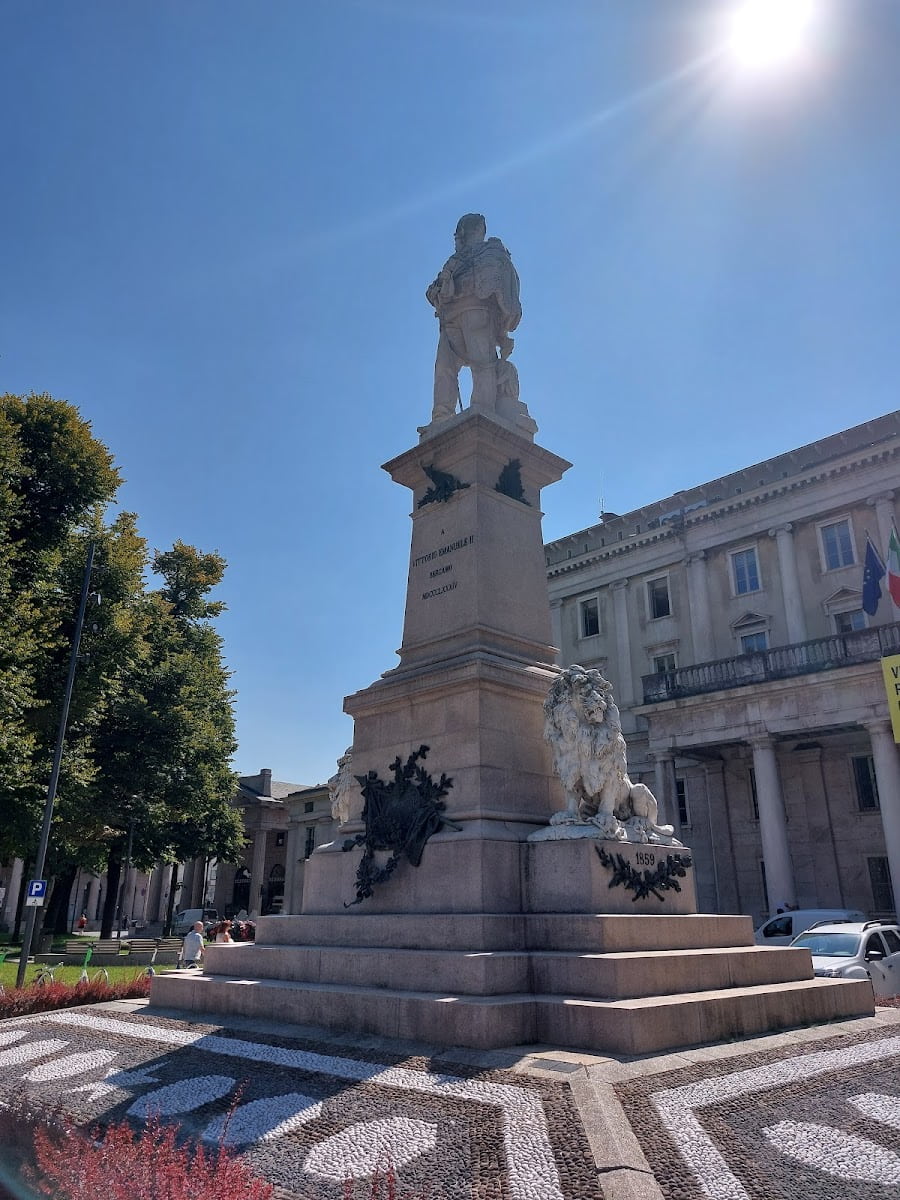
column 111, row 899
column 170, row 905
column 56, row 918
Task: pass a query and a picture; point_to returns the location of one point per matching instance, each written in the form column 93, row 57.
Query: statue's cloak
column 495, row 276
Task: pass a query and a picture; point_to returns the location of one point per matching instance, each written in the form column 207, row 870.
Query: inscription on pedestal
column 442, row 550
column 444, row 568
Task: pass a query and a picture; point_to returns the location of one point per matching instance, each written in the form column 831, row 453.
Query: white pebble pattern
column 360, row 1150
column 843, row 1155
column 182, row 1097
column 69, row 1065
column 263, row 1120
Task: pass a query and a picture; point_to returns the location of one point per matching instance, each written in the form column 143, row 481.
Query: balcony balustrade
column 781, row 662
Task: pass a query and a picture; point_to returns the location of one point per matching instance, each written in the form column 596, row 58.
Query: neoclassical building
column 283, row 823
column 729, row 619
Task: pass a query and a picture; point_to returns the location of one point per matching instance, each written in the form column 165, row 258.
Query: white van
column 186, row 919
column 781, row 929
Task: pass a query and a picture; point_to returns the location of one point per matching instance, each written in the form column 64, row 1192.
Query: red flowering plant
column 19, row 1002
column 121, row 1163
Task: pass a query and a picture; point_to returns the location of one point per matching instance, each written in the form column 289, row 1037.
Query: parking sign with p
column 36, row 893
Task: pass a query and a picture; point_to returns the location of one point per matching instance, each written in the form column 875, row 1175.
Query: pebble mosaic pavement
column 813, row 1121
column 811, row 1114
column 311, row 1115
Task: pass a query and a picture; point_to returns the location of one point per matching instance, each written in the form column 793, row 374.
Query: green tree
column 167, row 737
column 54, row 475
column 151, row 727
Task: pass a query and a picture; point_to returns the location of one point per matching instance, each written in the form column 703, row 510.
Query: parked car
column 782, row 929
column 856, row 950
column 186, row 919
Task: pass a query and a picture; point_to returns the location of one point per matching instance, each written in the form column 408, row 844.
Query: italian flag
column 893, row 566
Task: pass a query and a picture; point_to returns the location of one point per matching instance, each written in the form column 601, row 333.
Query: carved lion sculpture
column 343, row 788
column 583, row 728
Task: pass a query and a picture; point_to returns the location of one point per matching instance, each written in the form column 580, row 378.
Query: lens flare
column 771, row 33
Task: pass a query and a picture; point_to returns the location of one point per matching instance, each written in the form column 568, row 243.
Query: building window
column 658, row 598
column 880, row 879
column 310, row 841
column 684, row 816
column 754, row 803
column 664, row 662
column 309, row 805
column 837, row 545
column 866, row 783
column 745, row 571
column 279, row 839
column 589, row 617
column 751, row 643
column 849, row 622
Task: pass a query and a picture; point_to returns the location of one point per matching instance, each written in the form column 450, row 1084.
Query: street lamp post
column 41, row 860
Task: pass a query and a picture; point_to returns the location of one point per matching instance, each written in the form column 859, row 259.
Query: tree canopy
column 151, row 727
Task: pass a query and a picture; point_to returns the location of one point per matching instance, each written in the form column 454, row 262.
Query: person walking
column 192, row 947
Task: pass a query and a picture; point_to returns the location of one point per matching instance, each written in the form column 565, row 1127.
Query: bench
column 142, row 951
column 107, row 953
column 168, row 950
column 72, row 956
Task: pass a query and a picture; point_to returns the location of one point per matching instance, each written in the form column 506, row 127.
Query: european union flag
column 873, row 573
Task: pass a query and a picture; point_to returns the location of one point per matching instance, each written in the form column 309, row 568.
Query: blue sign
column 36, row 893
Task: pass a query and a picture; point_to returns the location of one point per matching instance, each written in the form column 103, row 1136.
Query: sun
column 772, row 33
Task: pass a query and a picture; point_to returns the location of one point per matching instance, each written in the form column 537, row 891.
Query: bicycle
column 44, row 974
column 100, row 975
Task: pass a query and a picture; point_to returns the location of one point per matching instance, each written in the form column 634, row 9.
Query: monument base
column 606, row 983
column 536, row 946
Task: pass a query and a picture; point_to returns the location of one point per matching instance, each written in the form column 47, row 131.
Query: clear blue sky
column 219, row 218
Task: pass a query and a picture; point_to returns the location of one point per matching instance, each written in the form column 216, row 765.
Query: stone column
column 721, row 847
column 884, row 517
column 13, row 886
column 257, row 871
column 93, row 899
column 187, row 886
column 698, row 601
column 199, row 879
column 887, row 774
column 293, row 875
column 625, row 683
column 128, row 895
column 772, row 824
column 556, row 632
column 664, row 789
column 790, row 583
column 165, row 884
column 154, row 892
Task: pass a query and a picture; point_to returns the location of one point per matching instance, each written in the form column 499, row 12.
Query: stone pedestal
column 476, row 659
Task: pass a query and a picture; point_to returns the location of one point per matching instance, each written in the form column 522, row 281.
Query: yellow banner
column 890, row 668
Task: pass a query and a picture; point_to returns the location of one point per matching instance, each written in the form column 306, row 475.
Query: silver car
column 855, row 950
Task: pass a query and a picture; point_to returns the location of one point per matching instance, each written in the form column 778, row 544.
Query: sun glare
column 772, row 33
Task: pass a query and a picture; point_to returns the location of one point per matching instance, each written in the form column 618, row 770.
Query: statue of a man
column 476, row 300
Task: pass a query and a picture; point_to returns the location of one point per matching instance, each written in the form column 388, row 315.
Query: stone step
column 650, row 1024
column 501, row 931
column 634, row 1026
column 491, row 973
